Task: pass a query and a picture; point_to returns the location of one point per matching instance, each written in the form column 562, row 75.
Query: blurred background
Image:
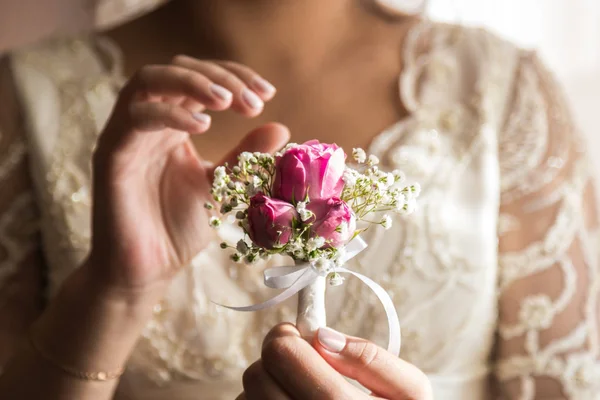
column 566, row 33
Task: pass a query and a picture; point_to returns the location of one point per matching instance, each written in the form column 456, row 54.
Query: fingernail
column 331, row 340
column 252, row 99
column 221, row 92
column 202, row 118
column 263, row 85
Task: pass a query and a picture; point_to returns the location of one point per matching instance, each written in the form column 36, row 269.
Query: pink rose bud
column 333, row 220
column 270, row 221
column 314, row 169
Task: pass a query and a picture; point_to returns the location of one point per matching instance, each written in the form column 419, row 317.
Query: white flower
column 379, row 187
column 220, row 173
column 386, row 222
column 340, row 257
column 288, row 146
column 374, row 170
column 373, row 160
column 265, row 158
column 359, row 155
column 245, row 160
column 322, row 265
column 296, row 248
column 388, row 178
column 215, row 222
column 245, row 157
column 254, row 187
column 335, row 279
column 415, row 190
column 399, row 198
column 301, row 206
column 239, row 187
column 295, row 245
column 305, row 214
column 242, row 247
column 399, row 176
column 300, row 254
column 315, row 243
column 409, row 206
column 350, row 177
column 221, row 179
column 256, row 181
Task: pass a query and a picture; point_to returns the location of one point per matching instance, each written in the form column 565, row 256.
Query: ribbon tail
column 390, row 310
column 303, row 281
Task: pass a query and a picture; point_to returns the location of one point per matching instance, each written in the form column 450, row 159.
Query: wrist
column 91, row 326
column 88, row 282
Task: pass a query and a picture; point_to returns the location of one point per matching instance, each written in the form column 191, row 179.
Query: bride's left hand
column 290, row 368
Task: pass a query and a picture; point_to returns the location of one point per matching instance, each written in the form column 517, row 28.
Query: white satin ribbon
column 295, row 278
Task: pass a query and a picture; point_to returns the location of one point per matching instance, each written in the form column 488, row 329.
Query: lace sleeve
column 20, row 257
column 549, row 344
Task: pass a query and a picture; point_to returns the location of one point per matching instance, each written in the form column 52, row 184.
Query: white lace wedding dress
column 495, row 278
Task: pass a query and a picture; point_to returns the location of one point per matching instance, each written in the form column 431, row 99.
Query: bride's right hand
column 150, row 184
column 290, row 368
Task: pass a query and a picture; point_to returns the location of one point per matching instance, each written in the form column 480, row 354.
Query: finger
column 373, row 367
column 144, row 116
column 174, row 81
column 259, row 385
column 260, row 85
column 300, row 370
column 264, row 139
column 245, row 100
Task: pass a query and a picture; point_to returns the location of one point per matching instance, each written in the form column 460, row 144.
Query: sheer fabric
column 548, row 277
column 507, row 212
column 20, row 255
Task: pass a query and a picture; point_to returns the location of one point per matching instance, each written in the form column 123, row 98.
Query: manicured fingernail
column 252, row 99
column 331, row 340
column 263, row 86
column 221, row 92
column 202, row 118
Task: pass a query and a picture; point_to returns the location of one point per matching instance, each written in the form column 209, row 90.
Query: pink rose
column 312, row 168
column 334, row 221
column 270, row 221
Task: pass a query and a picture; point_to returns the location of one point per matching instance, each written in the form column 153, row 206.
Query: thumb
column 373, row 367
column 264, row 139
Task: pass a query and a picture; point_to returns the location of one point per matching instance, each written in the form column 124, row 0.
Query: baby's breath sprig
column 369, row 190
column 233, row 187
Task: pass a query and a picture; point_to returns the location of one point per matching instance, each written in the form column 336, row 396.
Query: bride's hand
column 150, row 184
column 291, row 368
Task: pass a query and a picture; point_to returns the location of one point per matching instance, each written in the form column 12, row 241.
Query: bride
column 495, row 277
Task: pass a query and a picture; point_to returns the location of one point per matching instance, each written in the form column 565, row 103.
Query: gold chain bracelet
column 99, row 376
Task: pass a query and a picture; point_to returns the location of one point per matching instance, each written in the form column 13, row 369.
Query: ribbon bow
column 295, row 278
